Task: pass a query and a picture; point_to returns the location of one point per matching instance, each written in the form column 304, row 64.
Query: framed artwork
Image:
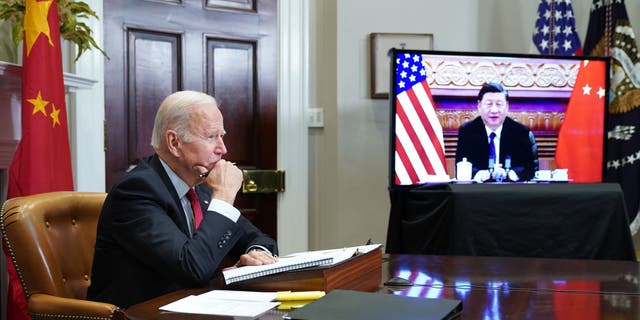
column 381, row 44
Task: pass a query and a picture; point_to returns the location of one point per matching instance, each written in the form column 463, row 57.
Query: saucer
column 550, row 180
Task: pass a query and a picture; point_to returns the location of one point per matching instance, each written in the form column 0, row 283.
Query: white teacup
column 543, row 175
column 560, row 174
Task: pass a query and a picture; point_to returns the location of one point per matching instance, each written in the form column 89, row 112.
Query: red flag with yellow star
column 580, row 128
column 42, row 162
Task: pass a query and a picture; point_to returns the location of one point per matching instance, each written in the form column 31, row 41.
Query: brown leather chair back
column 50, row 239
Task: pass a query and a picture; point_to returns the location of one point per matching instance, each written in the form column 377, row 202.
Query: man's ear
column 173, row 142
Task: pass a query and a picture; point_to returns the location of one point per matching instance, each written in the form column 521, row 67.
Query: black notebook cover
column 354, row 305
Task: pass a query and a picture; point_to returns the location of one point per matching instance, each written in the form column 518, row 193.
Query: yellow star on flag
column 54, row 115
column 36, row 22
column 39, row 104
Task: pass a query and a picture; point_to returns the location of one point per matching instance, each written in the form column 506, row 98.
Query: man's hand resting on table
column 254, row 258
column 498, row 174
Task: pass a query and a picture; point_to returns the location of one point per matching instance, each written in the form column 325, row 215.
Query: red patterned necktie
column 195, row 206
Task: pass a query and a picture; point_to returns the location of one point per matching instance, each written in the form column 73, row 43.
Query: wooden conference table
column 489, row 287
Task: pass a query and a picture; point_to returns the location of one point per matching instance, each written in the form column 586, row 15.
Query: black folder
column 354, row 305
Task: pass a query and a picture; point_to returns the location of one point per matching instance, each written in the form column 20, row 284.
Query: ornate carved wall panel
column 521, row 79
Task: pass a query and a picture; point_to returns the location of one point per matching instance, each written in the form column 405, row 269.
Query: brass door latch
column 263, row 181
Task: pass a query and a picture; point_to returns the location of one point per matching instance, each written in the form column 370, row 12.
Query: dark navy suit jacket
column 143, row 248
column 516, row 141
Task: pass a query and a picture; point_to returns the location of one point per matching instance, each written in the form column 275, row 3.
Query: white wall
column 348, row 158
column 86, row 114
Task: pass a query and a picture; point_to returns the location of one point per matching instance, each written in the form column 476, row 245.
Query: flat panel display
column 555, row 105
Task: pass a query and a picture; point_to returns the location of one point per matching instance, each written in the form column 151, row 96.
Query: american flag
column 555, row 32
column 419, row 152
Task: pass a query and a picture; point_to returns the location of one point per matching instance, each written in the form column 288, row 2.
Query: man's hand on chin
column 225, row 180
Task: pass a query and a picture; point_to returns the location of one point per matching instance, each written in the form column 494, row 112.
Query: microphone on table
column 507, row 166
column 492, row 162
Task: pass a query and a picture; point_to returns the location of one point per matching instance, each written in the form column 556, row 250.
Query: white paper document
column 221, row 303
column 241, row 295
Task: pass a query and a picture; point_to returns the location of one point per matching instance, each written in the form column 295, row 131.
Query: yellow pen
column 290, row 305
column 299, row 295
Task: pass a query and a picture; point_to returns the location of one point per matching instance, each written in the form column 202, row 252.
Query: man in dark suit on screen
column 168, row 224
column 498, row 147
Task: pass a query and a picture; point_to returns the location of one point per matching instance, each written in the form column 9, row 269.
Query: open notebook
column 296, row 261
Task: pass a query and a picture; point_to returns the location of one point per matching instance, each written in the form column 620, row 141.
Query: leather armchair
column 50, row 239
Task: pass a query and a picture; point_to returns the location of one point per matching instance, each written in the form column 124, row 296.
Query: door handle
column 262, row 181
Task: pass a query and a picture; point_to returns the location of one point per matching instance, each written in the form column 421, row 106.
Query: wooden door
column 227, row 48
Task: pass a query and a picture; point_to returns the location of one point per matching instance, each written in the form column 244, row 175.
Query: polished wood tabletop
column 490, row 288
column 524, row 288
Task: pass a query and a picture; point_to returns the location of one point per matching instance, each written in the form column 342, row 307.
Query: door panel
column 232, row 4
column 224, row 48
column 153, row 74
column 233, row 88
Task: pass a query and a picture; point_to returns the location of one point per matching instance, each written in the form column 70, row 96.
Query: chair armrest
column 42, row 306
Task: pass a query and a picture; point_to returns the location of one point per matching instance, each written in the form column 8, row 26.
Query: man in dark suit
column 154, row 236
column 494, row 139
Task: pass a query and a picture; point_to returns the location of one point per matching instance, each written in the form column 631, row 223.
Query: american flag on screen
column 419, row 152
column 555, row 31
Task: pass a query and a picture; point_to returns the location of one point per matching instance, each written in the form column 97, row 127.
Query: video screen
column 473, row 117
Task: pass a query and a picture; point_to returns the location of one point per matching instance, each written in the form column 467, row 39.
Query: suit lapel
column 483, row 141
column 181, row 218
column 505, row 136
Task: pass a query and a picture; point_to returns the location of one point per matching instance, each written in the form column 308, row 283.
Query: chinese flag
column 42, row 162
column 580, row 129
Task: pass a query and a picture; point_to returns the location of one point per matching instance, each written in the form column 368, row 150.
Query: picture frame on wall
column 380, row 45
